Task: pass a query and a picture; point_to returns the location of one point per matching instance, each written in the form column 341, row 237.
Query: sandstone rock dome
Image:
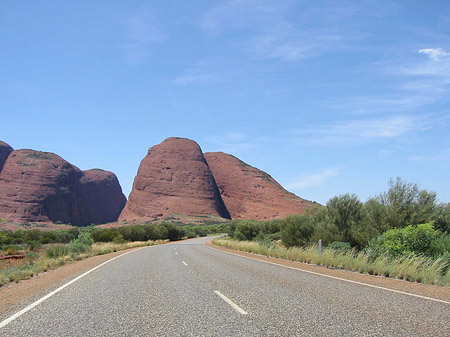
column 174, row 178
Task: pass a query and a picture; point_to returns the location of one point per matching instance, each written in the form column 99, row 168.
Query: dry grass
column 411, row 268
column 27, row 268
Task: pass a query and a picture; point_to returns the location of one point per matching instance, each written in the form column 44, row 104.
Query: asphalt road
column 186, row 289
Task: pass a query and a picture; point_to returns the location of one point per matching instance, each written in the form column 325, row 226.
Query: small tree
column 297, row 231
column 345, row 211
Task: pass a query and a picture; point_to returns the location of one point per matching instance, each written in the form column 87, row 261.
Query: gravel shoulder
column 432, row 291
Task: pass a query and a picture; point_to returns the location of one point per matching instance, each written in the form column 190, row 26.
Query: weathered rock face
column 249, row 193
column 41, row 186
column 174, row 178
column 5, row 151
column 37, row 186
column 101, row 197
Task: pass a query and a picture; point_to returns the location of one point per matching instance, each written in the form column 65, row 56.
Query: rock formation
column 174, row 178
column 249, row 193
column 41, row 186
column 101, row 196
column 5, row 151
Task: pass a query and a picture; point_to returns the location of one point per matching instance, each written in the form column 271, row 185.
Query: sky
column 328, row 97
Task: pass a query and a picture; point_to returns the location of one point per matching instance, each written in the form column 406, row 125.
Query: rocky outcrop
column 101, row 197
column 5, row 151
column 41, row 186
column 249, row 193
column 174, row 178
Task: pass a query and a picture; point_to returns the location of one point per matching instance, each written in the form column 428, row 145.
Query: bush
column 297, row 230
column 339, row 245
column 440, row 246
column 82, row 244
column 174, row 232
column 247, row 230
column 346, row 212
column 405, row 204
column 57, row 251
column 403, row 241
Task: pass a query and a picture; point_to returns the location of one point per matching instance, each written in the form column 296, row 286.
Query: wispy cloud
column 266, row 31
column 313, row 180
column 410, row 85
column 142, row 31
column 435, row 54
column 363, row 130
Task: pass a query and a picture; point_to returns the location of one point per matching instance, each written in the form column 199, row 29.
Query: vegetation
column 401, row 229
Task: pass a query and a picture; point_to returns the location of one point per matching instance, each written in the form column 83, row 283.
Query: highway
column 187, row 289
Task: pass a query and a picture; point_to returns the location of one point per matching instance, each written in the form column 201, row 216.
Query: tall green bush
column 297, row 230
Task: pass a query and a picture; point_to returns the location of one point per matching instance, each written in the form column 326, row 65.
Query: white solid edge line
column 184, row 263
column 231, row 303
column 333, row 277
column 39, row 301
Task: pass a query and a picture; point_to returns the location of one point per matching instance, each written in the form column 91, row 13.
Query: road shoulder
column 418, row 289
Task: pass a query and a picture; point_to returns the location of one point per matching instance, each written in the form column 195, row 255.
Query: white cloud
column 142, row 31
column 363, row 130
column 312, row 180
column 435, row 54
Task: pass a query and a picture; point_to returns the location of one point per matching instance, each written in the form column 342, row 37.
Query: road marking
column 184, row 263
column 231, row 303
column 32, row 305
column 332, row 277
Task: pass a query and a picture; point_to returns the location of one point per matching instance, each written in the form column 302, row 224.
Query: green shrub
column 174, row 232
column 411, row 239
column 440, row 246
column 119, row 239
column 82, row 244
column 78, row 247
column 297, row 230
column 339, row 245
column 57, row 251
column 247, row 230
column 345, row 211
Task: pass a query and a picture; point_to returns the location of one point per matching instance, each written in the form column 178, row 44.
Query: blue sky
column 329, row 97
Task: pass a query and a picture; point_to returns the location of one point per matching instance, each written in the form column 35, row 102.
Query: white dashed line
column 231, row 303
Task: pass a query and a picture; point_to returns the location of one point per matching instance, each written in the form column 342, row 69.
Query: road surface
column 187, row 289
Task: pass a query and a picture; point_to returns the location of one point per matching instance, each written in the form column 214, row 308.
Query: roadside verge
column 439, row 293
